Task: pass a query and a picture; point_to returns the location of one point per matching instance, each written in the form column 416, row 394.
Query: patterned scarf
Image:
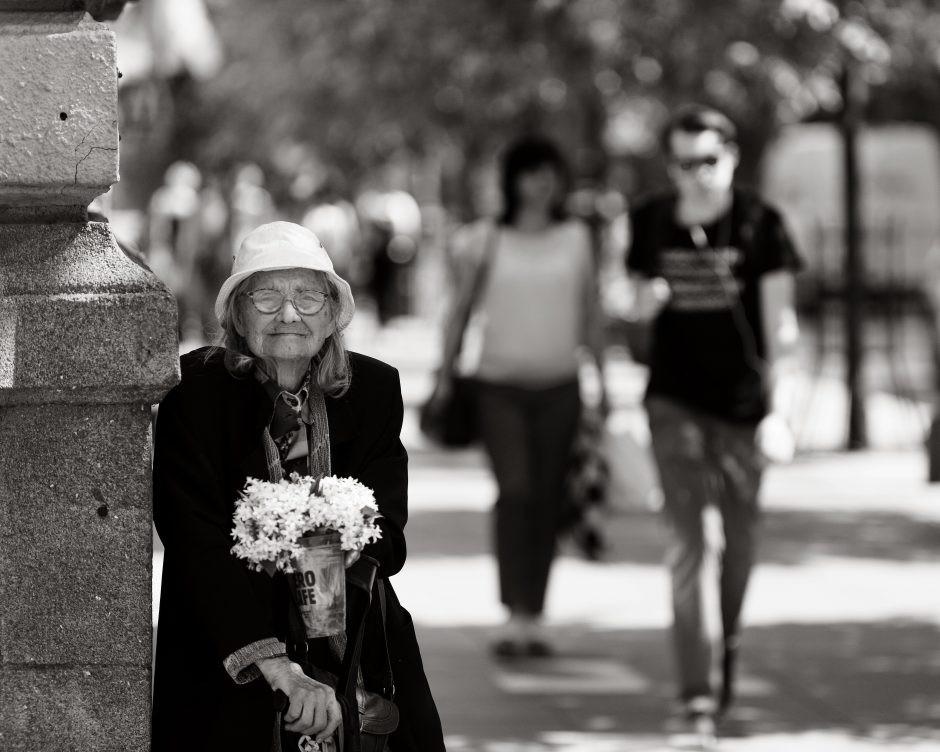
column 310, row 405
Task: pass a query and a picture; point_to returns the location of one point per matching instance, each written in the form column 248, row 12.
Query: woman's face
column 538, row 188
column 285, row 335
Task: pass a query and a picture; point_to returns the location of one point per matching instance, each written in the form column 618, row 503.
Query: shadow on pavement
column 877, row 682
column 790, row 537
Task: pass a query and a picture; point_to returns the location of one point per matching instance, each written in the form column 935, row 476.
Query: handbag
column 452, row 421
column 450, row 418
column 369, row 718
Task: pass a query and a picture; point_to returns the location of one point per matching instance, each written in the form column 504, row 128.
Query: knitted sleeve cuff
column 240, row 665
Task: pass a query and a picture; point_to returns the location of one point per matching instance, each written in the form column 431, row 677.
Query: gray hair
column 330, row 365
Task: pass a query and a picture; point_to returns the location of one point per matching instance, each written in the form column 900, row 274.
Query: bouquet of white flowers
column 272, row 518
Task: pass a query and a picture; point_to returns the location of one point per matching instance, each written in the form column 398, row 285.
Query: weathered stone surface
column 58, row 93
column 87, row 342
column 79, row 321
column 75, row 535
column 76, row 708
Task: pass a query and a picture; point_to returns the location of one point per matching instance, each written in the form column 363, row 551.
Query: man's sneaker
column 703, row 725
column 694, row 726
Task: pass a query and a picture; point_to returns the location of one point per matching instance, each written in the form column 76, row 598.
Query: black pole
column 852, row 105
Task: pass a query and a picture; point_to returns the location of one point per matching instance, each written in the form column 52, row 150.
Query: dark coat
column 208, row 441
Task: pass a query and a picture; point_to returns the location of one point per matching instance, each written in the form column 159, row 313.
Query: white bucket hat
column 284, row 245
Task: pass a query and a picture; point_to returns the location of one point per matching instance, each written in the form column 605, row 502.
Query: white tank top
column 530, row 319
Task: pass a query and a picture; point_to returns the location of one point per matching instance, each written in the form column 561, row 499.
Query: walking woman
column 531, row 277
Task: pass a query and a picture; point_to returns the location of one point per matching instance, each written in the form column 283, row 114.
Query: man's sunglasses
column 688, row 165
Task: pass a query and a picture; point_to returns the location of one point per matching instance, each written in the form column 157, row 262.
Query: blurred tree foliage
column 346, row 89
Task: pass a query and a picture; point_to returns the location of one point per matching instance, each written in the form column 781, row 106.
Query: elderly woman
column 281, row 389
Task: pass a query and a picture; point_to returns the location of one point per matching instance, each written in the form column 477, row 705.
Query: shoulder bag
column 451, row 420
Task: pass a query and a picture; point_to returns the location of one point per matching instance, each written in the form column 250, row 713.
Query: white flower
column 270, row 518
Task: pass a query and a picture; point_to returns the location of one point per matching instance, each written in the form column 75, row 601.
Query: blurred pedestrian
column 250, row 203
column 215, row 256
column 336, row 222
column 531, row 274
column 383, row 276
column 174, row 243
column 714, row 270
column 391, row 235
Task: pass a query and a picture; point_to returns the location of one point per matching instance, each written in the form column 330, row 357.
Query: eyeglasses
column 688, row 165
column 305, row 302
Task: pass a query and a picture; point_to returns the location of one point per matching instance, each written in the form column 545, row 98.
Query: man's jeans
column 704, row 461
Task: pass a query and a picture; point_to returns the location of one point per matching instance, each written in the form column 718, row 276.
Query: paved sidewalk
column 842, row 646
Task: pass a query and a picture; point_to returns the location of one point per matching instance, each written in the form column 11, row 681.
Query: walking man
column 713, row 271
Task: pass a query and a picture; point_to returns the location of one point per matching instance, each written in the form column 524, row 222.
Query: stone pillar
column 87, row 343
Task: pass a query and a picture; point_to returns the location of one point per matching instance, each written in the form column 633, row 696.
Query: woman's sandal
column 536, row 648
column 509, row 648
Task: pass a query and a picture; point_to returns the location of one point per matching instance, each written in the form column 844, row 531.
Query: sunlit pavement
column 842, row 649
column 842, row 643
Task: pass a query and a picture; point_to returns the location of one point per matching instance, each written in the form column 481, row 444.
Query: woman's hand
column 313, row 708
column 775, row 439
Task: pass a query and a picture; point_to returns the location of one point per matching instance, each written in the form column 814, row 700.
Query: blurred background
column 379, row 127
column 378, row 124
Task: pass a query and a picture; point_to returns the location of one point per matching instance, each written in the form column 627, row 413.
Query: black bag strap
column 297, row 633
column 465, row 311
column 483, row 269
column 360, row 576
column 388, row 676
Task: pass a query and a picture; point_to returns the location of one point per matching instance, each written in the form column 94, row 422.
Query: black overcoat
column 208, row 441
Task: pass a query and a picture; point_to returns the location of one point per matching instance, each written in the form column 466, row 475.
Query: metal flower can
column 319, row 584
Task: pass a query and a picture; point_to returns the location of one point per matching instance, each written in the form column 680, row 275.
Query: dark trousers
column 704, row 461
column 528, row 435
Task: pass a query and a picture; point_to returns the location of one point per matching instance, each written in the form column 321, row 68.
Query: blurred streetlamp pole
column 853, row 96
